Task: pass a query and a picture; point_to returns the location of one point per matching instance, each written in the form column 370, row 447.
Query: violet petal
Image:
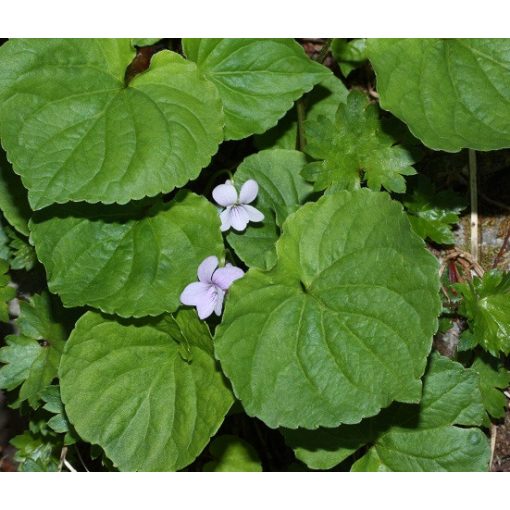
column 223, row 277
column 225, row 218
column 225, row 194
column 206, row 269
column 249, row 191
column 253, row 214
column 207, row 302
column 238, row 218
column 219, row 301
column 194, row 292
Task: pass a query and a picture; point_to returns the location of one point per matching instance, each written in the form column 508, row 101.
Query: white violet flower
column 208, row 293
column 237, row 212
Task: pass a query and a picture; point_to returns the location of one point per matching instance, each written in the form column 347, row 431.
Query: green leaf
column 493, row 378
column 74, row 131
column 281, row 191
column 411, row 437
column 486, row 305
column 6, row 292
column 258, row 79
column 58, row 423
column 126, row 387
column 21, row 253
column 452, row 93
column 354, row 148
column 323, row 100
column 128, row 261
column 231, row 453
column 349, row 54
column 342, row 325
column 13, row 197
column 145, row 42
column 32, row 358
column 432, row 213
column 35, row 453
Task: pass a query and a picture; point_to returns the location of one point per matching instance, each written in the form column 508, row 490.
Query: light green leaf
column 74, row 131
column 343, row 323
column 131, row 265
column 13, row 197
column 281, row 191
column 258, row 79
column 32, row 358
column 126, row 387
column 486, row 305
column 232, row 454
column 58, row 423
column 349, row 54
column 21, row 252
column 323, row 100
column 35, row 452
column 145, row 42
column 432, row 213
column 354, row 148
column 6, row 292
column 452, row 93
column 494, row 377
column 411, row 437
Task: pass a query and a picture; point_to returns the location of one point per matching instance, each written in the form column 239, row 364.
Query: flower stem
column 473, row 188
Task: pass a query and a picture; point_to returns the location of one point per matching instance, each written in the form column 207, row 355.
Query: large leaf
column 32, row 358
column 281, row 191
column 486, row 305
column 124, row 265
column 410, row 437
column 148, row 392
column 353, row 148
column 75, row 131
column 13, row 197
column 258, row 79
column 452, row 93
column 343, row 323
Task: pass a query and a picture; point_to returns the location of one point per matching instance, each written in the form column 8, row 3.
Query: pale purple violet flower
column 237, row 212
column 208, row 293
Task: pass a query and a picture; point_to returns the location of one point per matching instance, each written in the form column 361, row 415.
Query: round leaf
column 452, row 93
column 127, row 387
column 343, row 323
column 124, row 265
column 258, row 79
column 74, row 131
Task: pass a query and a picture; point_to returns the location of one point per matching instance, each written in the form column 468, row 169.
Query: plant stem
column 473, row 188
column 324, row 51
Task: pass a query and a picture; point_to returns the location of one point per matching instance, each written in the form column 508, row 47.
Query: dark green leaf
column 231, row 453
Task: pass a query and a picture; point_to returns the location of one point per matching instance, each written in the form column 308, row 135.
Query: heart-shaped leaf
column 125, row 263
column 343, row 323
column 410, row 437
column 258, row 79
column 452, row 93
column 148, row 392
column 75, row 131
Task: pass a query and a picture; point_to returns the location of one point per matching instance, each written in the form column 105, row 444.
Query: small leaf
column 493, row 378
column 126, row 388
column 58, row 423
column 32, row 358
column 145, row 42
column 452, row 93
column 281, row 191
column 486, row 305
column 323, row 100
column 432, row 213
column 74, row 131
column 232, row 454
column 343, row 323
column 13, row 197
column 349, row 54
column 354, row 148
column 6, row 292
column 411, row 437
column 119, row 261
column 258, row 79
column 35, row 452
column 21, row 253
